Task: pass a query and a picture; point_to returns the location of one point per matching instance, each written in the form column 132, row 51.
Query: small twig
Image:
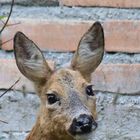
column 10, row 88
column 5, row 42
column 3, row 121
column 10, row 24
column 12, row 4
column 2, row 21
column 13, row 24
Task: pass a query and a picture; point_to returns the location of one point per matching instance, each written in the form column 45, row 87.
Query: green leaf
column 1, row 17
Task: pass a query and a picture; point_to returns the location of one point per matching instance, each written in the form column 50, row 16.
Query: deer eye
column 89, row 90
column 52, row 98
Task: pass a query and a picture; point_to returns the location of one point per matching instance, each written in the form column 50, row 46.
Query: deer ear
column 90, row 51
column 30, row 60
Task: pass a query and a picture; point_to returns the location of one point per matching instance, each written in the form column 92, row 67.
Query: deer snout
column 83, row 124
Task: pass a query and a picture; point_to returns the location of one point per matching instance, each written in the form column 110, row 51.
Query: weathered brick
column 122, row 78
column 119, row 78
column 9, row 74
column 120, row 36
column 106, row 3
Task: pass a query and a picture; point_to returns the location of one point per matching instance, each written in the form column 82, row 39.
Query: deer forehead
column 64, row 80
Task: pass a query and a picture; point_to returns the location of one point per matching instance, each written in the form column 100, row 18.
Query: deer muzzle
column 82, row 125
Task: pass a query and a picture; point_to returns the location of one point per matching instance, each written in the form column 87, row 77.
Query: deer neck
column 42, row 131
column 38, row 134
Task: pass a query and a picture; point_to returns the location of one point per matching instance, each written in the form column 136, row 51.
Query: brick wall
column 58, row 26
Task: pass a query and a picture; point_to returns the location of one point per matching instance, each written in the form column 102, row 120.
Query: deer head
column 68, row 103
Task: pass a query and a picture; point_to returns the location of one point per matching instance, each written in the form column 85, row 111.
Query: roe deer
column 68, row 103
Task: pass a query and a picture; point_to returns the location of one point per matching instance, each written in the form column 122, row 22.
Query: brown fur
column 68, row 84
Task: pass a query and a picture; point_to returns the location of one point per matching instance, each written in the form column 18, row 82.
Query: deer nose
column 83, row 124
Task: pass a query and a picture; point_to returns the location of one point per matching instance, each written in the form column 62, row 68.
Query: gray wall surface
column 118, row 116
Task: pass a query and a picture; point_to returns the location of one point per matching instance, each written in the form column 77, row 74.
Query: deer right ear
column 30, row 60
column 90, row 51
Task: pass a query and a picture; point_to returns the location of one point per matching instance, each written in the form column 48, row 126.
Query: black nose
column 83, row 124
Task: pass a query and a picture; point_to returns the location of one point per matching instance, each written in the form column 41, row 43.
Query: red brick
column 56, row 36
column 121, row 78
column 104, row 3
column 120, row 36
column 9, row 73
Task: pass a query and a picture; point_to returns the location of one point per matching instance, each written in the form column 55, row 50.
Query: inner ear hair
column 90, row 51
column 30, row 59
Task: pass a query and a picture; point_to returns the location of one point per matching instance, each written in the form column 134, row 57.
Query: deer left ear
column 30, row 60
column 90, row 51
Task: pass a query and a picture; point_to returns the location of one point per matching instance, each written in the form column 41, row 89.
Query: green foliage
column 1, row 17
